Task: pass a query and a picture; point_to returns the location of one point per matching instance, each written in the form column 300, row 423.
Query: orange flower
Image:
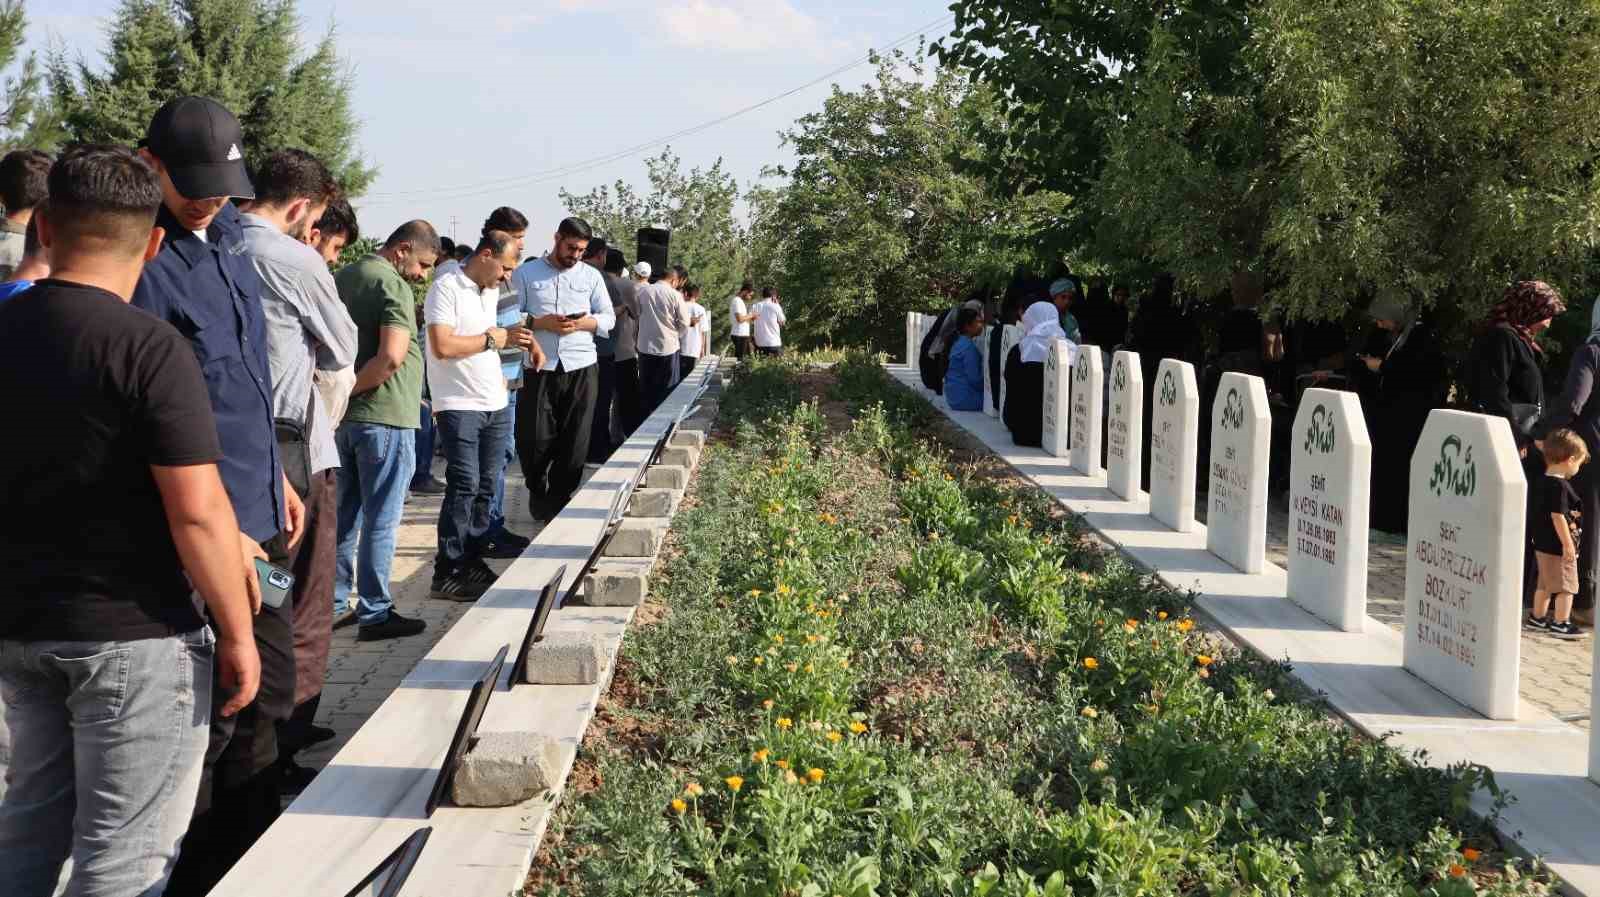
column 767, row 704
column 734, row 783
column 1161, row 615
column 1089, row 663
column 1457, row 870
column 781, row 764
column 1185, row 625
column 760, row 756
column 814, row 775
column 678, row 806
column 1131, row 625
column 693, row 789
column 1471, row 854
column 1203, row 659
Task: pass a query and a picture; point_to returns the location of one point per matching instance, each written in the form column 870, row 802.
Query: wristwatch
column 489, row 344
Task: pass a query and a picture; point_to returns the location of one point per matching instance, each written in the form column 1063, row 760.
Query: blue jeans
column 497, row 507
column 108, row 740
column 475, row 460
column 425, row 433
column 375, row 465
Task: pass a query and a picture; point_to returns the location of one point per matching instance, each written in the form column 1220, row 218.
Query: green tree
column 243, row 53
column 885, row 209
column 697, row 206
column 25, row 119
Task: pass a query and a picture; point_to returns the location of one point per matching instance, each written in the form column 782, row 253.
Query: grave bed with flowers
column 874, row 667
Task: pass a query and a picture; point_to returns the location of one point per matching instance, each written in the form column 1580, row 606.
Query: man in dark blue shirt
column 204, row 284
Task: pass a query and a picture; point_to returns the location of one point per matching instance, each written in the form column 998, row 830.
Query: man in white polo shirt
column 769, row 323
column 469, row 402
column 739, row 314
column 693, row 339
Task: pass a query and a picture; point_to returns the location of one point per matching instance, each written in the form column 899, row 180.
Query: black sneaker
column 394, row 626
column 1537, row 624
column 318, row 734
column 463, row 584
column 296, row 778
column 430, row 486
column 1565, row 630
column 506, row 545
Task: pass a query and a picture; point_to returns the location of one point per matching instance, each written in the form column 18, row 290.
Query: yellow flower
column 778, row 638
column 784, row 722
column 834, row 736
column 1203, row 659
column 758, row 660
column 844, row 664
column 760, row 756
column 734, row 782
column 808, row 668
column 1089, row 712
column 827, row 518
column 781, row 764
column 1089, row 663
column 822, row 614
column 678, row 806
column 1161, row 615
column 1185, row 625
column 815, row 775
column 783, row 589
column 693, row 789
column 767, row 704
column 812, row 639
column 755, row 593
column 1470, row 854
column 1457, row 870
column 858, row 727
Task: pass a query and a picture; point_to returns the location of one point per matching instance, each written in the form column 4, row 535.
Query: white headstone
column 1464, row 561
column 1125, row 430
column 1330, row 492
column 927, row 327
column 1009, row 337
column 988, row 375
column 1594, row 713
column 1057, row 365
column 1088, row 388
column 1236, row 513
column 1174, row 444
column 913, row 344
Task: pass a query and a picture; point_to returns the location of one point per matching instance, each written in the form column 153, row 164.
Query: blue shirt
column 210, row 291
column 13, row 287
column 546, row 290
column 963, row 380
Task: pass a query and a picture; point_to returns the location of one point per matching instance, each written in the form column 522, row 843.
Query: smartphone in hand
column 275, row 583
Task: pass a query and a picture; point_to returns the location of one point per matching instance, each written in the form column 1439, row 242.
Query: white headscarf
column 1041, row 326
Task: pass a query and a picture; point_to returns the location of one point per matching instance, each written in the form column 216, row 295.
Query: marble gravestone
column 913, row 344
column 1125, row 428
column 988, row 375
column 1057, row 364
column 1330, row 493
column 1009, row 337
column 1594, row 712
column 1236, row 510
column 1464, row 551
column 1088, row 410
column 1174, row 444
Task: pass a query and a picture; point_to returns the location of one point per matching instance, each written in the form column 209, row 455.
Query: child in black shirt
column 1555, row 534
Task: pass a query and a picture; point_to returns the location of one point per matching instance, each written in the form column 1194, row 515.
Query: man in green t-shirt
column 377, row 450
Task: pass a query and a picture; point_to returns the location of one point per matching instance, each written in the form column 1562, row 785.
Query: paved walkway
column 362, row 674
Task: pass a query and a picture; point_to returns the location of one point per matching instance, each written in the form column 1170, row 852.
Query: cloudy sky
column 469, row 104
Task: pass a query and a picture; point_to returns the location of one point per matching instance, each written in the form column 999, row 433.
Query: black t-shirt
column 1555, row 496
column 96, row 391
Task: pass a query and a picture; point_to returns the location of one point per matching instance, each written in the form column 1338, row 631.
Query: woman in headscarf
column 1409, row 380
column 1024, row 372
column 1504, row 366
column 1578, row 410
column 1506, row 381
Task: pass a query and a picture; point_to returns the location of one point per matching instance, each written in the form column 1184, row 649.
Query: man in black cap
column 203, row 283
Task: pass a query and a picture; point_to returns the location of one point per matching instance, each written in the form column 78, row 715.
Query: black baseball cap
column 200, row 143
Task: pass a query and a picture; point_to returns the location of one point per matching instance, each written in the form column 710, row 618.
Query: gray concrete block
column 617, row 583
column 653, row 503
column 637, row 537
column 679, row 456
column 567, row 658
column 688, row 439
column 660, row 477
column 505, row 768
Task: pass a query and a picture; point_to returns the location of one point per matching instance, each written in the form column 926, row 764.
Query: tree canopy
column 26, row 120
column 244, row 53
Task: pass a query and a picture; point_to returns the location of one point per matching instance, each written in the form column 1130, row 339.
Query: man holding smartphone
column 568, row 305
column 106, row 665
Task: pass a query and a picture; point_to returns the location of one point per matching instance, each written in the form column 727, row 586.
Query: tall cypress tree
column 24, row 120
column 244, row 53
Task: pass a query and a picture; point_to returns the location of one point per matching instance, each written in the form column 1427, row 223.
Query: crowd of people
column 1390, row 356
column 222, row 434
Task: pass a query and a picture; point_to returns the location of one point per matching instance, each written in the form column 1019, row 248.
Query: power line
column 492, row 186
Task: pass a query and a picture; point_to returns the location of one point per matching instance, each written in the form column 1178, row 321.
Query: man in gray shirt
column 308, row 330
column 662, row 316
